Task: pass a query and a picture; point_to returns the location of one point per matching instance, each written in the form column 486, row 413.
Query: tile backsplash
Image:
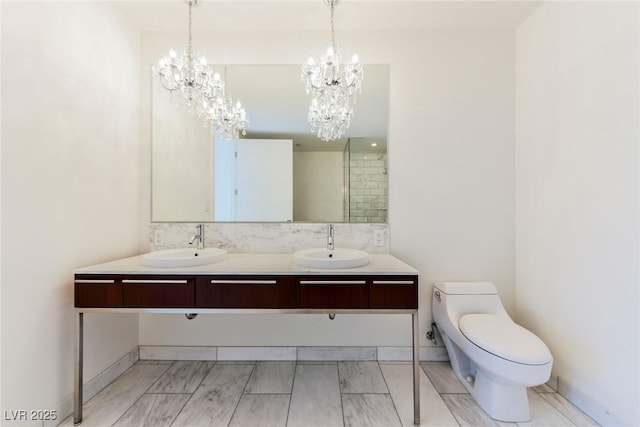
column 267, row 237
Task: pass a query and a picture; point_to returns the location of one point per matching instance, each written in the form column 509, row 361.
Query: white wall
column 577, row 198
column 451, row 158
column 318, row 181
column 451, row 171
column 70, row 187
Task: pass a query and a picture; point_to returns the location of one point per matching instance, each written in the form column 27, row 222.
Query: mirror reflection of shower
column 366, row 189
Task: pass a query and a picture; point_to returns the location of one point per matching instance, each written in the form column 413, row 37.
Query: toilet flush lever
column 436, row 295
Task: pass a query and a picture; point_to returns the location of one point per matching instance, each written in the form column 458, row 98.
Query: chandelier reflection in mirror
column 196, row 88
column 333, row 87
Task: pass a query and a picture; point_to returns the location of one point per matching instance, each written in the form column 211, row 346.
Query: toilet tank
column 456, row 299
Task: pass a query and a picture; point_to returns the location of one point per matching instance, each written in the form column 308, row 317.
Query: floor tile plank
column 158, row 410
column 182, row 377
column 543, row 414
column 468, row 413
column 271, row 378
column 543, row 388
column 261, row 410
column 315, row 400
column 565, row 407
column 433, row 411
column 361, row 377
column 369, row 410
column 106, row 407
column 442, row 377
column 215, row 400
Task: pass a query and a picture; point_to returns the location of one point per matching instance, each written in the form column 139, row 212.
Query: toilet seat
column 505, row 339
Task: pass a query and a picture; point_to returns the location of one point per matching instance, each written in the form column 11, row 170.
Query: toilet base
column 501, row 402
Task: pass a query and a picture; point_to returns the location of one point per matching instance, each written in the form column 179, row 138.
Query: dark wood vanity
column 247, row 291
column 246, row 284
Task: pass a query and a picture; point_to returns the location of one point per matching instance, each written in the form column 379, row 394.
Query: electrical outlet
column 158, row 237
column 378, row 238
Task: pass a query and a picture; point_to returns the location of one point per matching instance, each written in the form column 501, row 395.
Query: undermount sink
column 336, row 258
column 188, row 257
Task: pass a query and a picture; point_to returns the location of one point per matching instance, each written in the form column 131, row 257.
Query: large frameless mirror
column 278, row 171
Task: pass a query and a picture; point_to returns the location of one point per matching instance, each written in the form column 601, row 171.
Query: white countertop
column 252, row 264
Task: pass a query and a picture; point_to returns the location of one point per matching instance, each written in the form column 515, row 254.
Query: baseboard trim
column 290, row 353
column 161, row 352
column 95, row 385
column 587, row 405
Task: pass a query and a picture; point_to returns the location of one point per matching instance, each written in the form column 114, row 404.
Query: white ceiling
column 312, row 14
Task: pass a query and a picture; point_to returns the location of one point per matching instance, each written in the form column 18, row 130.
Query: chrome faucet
column 199, row 236
column 330, row 233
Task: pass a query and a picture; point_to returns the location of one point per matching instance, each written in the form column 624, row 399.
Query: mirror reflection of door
column 253, row 180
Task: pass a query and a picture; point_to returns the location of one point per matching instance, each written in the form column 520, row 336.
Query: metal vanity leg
column 77, row 373
column 416, row 369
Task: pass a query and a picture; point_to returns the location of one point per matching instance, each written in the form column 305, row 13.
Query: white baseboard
column 381, row 354
column 256, row 353
column 587, row 405
column 309, row 354
column 405, row 354
column 93, row 386
column 159, row 352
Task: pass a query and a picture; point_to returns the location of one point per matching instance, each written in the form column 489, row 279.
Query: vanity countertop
column 252, row 264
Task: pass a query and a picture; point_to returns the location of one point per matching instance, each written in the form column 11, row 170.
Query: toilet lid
column 505, row 339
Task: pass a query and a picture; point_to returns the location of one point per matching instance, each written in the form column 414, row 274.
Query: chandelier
column 196, row 88
column 333, row 87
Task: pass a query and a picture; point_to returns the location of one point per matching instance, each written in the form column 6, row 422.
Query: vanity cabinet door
column 159, row 291
column 245, row 292
column 399, row 292
column 94, row 290
column 329, row 292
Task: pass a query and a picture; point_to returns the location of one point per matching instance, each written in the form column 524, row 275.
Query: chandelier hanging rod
column 189, row 44
column 332, row 3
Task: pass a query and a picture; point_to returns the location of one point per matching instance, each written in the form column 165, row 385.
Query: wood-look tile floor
column 322, row 394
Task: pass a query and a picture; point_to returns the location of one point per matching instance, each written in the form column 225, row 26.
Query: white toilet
column 493, row 357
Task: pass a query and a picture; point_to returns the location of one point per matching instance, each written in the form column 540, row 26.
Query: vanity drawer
column 399, row 292
column 159, row 291
column 332, row 292
column 95, row 290
column 245, row 292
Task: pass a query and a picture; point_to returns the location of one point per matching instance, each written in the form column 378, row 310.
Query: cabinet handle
column 333, row 282
column 393, row 282
column 244, row 282
column 155, row 282
column 95, row 281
